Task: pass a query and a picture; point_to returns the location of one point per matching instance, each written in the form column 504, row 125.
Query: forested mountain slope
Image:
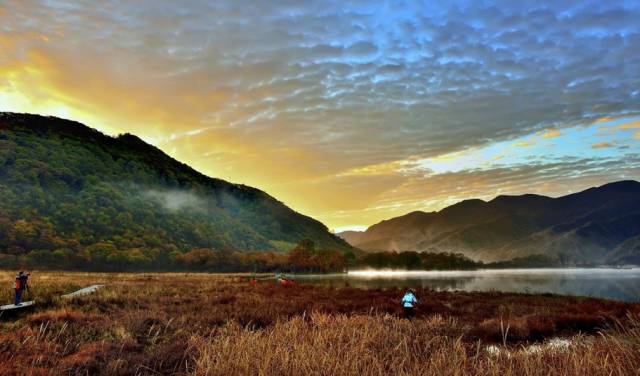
column 69, row 191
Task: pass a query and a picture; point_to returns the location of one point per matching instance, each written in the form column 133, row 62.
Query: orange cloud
column 632, row 125
column 551, row 133
column 449, row 156
column 601, row 145
column 621, row 127
column 524, row 144
column 379, row 169
column 604, row 119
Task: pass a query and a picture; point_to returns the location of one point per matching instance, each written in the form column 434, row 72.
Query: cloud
column 362, row 49
column 303, row 98
column 524, row 144
column 551, row 133
column 604, row 120
column 631, row 125
column 601, row 145
column 624, row 126
column 387, row 168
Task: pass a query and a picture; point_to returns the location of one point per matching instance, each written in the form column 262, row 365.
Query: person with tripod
column 22, row 284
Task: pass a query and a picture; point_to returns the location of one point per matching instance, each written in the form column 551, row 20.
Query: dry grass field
column 221, row 325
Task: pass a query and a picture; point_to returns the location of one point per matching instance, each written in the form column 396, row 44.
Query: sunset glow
column 349, row 114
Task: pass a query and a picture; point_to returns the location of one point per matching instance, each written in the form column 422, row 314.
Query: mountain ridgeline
column 68, row 190
column 598, row 226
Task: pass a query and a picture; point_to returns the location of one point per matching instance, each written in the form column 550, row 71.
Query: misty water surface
column 619, row 284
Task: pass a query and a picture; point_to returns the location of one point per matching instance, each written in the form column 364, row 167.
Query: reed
column 382, row 345
column 200, row 324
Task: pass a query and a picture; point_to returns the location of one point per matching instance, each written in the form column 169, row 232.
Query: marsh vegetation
column 223, row 325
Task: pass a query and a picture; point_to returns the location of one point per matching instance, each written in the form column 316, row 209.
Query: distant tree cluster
column 106, row 256
column 303, row 258
column 447, row 261
column 417, row 261
column 532, row 261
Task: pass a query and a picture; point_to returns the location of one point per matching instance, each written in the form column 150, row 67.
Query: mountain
column 70, row 189
column 351, row 237
column 597, row 226
column 627, row 253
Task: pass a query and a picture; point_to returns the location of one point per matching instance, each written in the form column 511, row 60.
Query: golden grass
column 325, row 344
column 201, row 324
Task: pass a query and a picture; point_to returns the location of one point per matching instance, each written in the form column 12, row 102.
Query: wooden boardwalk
column 12, row 307
column 84, row 291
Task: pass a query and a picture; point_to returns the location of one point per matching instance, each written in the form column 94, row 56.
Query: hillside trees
column 90, row 200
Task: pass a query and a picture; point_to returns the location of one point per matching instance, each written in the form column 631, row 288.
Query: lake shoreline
column 621, row 284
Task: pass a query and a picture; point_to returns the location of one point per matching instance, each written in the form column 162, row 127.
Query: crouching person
column 408, row 304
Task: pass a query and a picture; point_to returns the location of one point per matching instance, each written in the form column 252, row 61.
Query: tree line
column 106, row 256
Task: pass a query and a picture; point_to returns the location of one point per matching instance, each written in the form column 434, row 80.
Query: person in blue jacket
column 408, row 304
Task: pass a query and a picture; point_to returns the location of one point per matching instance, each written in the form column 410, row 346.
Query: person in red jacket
column 21, row 285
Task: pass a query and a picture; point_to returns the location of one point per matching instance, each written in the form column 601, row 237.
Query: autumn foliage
column 221, row 324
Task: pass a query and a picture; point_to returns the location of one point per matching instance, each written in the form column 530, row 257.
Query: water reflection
column 619, row 284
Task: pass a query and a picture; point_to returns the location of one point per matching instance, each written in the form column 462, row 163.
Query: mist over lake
column 608, row 283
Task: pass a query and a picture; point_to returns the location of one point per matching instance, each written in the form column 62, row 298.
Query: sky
column 348, row 111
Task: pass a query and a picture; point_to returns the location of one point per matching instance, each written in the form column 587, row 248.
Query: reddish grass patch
column 62, row 316
column 143, row 326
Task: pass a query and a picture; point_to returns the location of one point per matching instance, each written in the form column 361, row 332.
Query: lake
column 618, row 284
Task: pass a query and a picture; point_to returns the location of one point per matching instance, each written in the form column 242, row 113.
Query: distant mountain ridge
column 597, row 226
column 351, row 237
column 65, row 187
